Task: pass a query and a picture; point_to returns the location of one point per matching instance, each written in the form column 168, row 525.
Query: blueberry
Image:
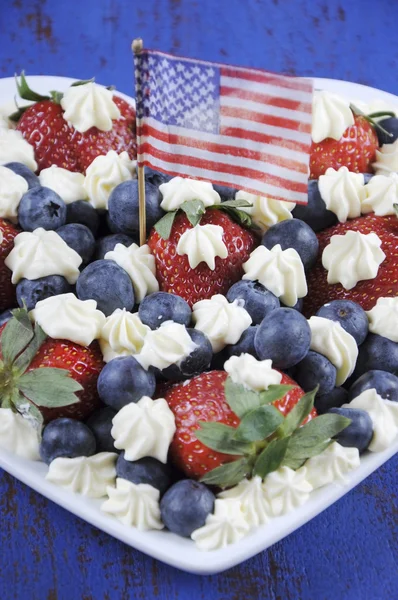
column 107, row 244
column 333, row 399
column 22, row 170
column 245, row 345
column 186, row 506
column 359, row 432
column 218, row 360
column 367, row 177
column 385, row 384
column 226, row 193
column 156, row 178
column 32, row 291
column 376, row 352
column 159, row 307
column 100, row 423
column 296, row 234
column 194, row 364
column 5, row 316
column 123, row 207
column 259, row 301
column 315, row 369
column 41, row 207
column 284, row 336
column 82, row 212
column 123, row 380
column 106, row 283
column 67, row 438
column 391, row 126
column 145, row 470
column 315, row 213
column 80, row 238
column 350, row 315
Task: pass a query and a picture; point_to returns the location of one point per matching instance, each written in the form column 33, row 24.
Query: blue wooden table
column 350, row 551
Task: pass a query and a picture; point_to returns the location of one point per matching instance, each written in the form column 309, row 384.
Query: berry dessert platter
column 202, row 395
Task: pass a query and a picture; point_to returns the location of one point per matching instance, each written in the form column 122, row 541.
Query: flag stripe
column 277, row 135
column 284, row 149
column 264, row 99
column 230, row 180
column 280, row 81
column 250, row 115
column 251, row 103
column 215, row 150
column 179, row 156
column 240, row 133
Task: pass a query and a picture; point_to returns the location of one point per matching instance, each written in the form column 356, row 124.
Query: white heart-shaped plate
column 163, row 545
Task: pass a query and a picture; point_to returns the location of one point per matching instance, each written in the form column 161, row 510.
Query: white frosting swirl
column 331, row 115
column 342, row 191
column 331, row 465
column 40, row 253
column 12, row 188
column 286, row 490
column 179, row 190
column 352, row 257
column 383, row 318
column 65, row 317
column 265, row 212
column 381, row 195
column 254, row 374
column 86, row 475
column 226, row 526
column 280, row 271
column 384, row 415
column 165, row 346
column 139, row 264
column 223, row 322
column 386, row 159
column 122, row 334
column 89, row 105
column 330, row 339
column 202, row 243
column 67, row 184
column 144, row 428
column 253, row 498
column 105, row 173
column 17, row 435
column 14, row 148
column 135, row 505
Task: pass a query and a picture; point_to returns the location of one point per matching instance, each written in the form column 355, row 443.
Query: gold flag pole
column 137, row 47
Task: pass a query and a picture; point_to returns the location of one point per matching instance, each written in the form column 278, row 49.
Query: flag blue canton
column 178, row 92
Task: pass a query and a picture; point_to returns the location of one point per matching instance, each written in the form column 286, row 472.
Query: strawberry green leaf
column 240, row 216
column 235, row 204
column 49, row 387
column 56, row 97
column 220, row 437
column 25, row 92
column 274, row 392
column 298, row 413
column 229, row 474
column 239, row 398
column 396, row 208
column 295, row 459
column 82, row 82
column 194, row 209
column 28, row 410
column 381, row 113
column 258, row 424
column 271, row 457
column 370, row 119
column 165, row 224
column 16, row 335
column 25, row 358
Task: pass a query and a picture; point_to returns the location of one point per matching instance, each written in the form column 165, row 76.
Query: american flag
column 236, row 127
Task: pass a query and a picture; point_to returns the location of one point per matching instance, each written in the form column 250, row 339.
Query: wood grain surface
column 350, row 551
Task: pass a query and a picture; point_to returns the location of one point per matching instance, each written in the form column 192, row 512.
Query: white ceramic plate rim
column 165, row 546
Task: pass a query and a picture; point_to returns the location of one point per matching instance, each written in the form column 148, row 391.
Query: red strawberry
column 203, row 399
column 365, row 292
column 57, row 143
column 174, row 273
column 356, row 150
column 84, row 365
column 7, row 289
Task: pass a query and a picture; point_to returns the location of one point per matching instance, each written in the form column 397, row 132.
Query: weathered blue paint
column 350, row 551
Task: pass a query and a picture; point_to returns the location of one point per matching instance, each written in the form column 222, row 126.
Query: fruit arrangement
column 209, row 380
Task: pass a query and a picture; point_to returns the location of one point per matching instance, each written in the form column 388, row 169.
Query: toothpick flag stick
column 137, row 47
